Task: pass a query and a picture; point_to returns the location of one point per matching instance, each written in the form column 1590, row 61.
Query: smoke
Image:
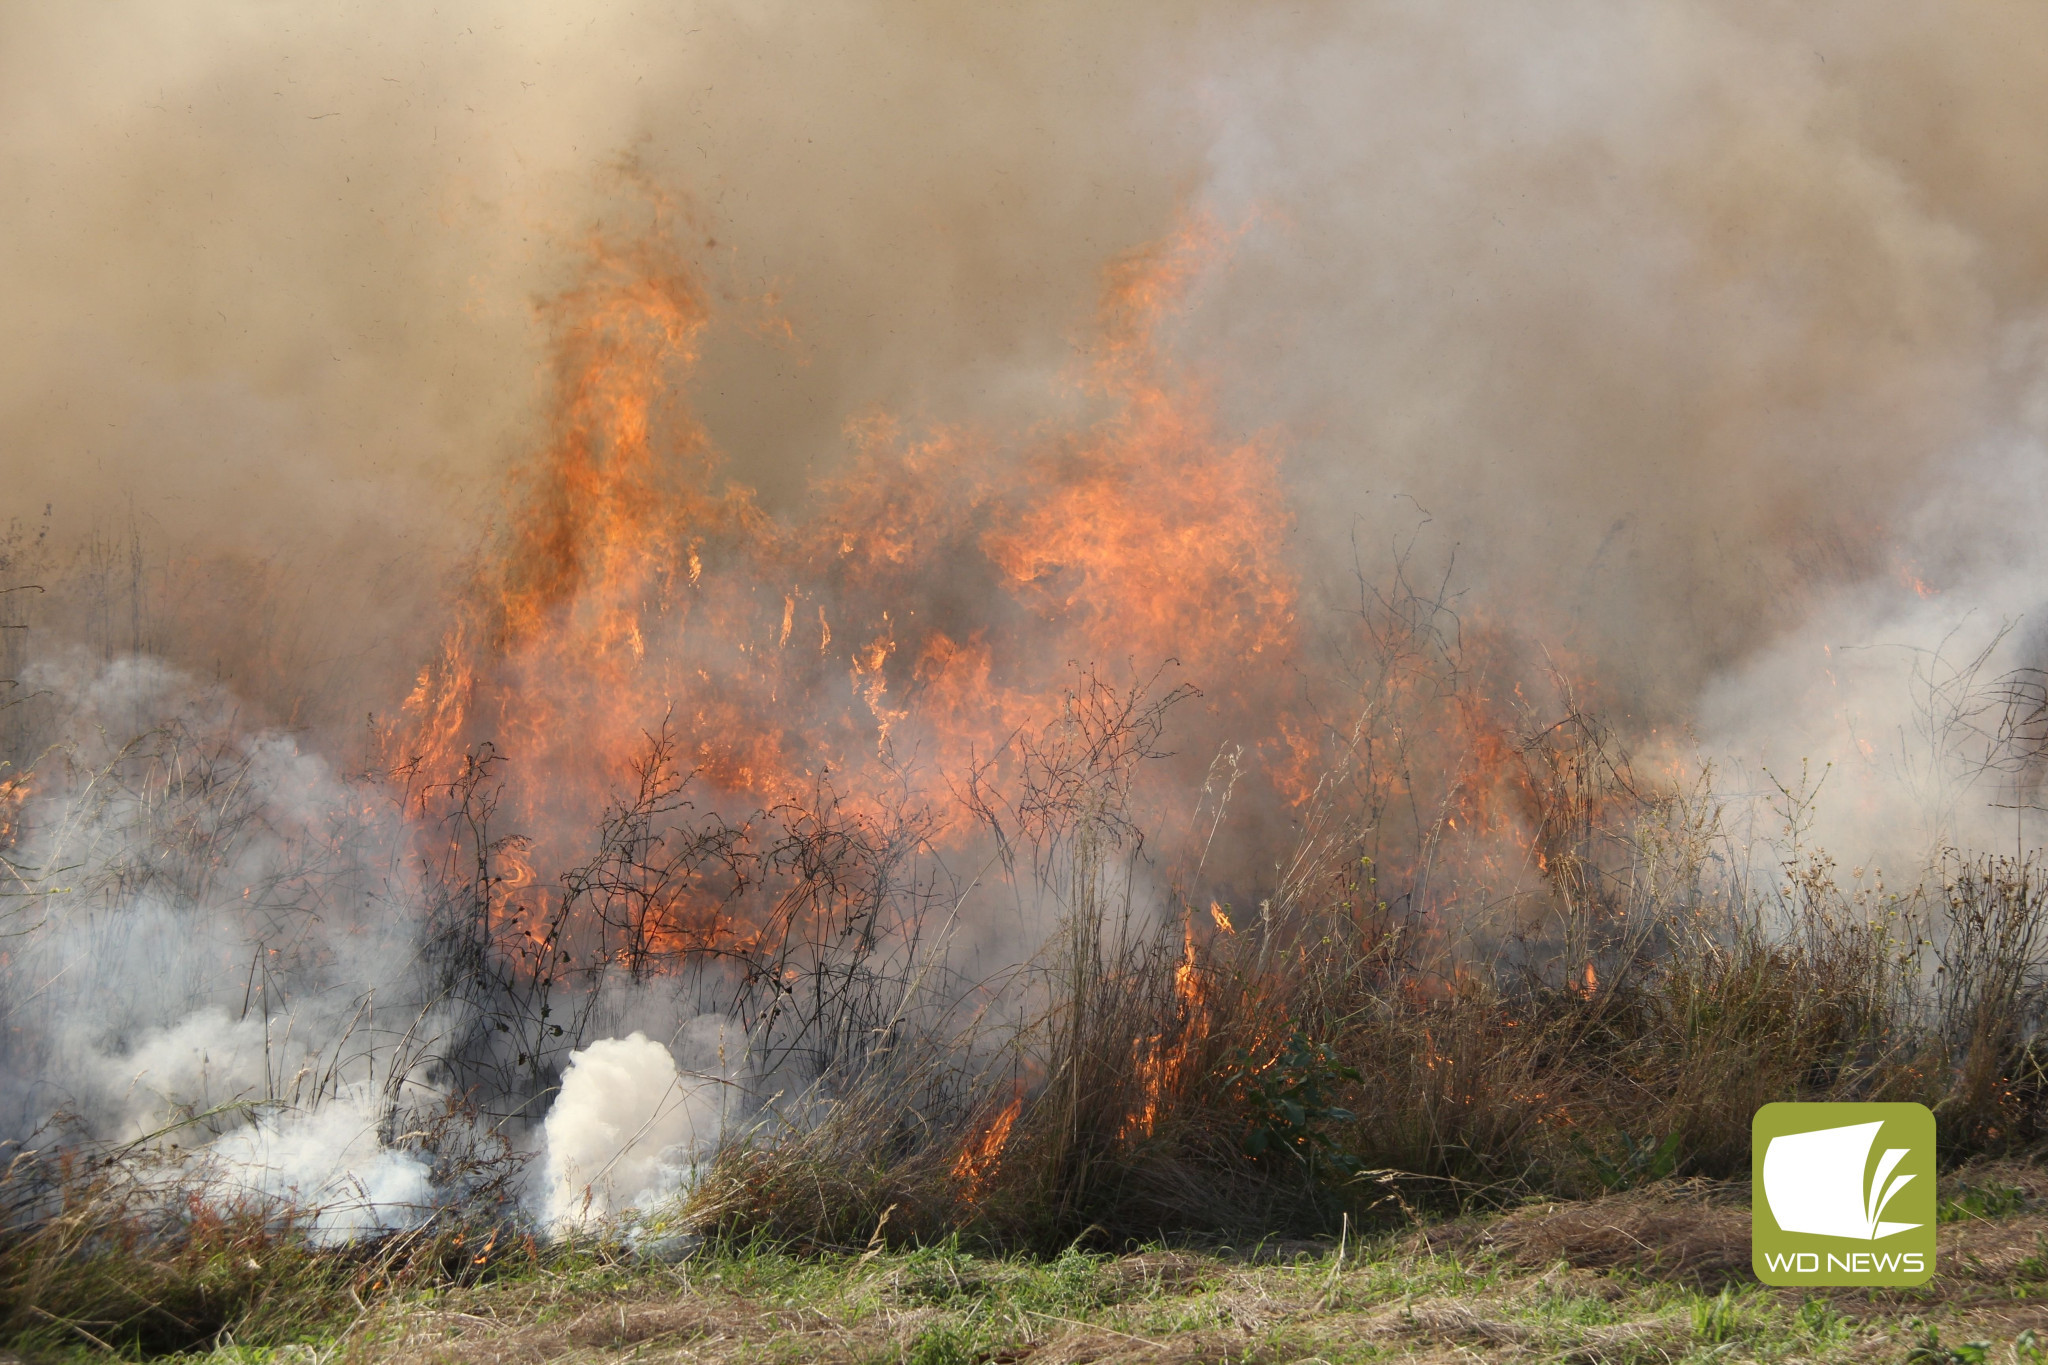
column 627, row 1128
column 274, row 277
column 1903, row 708
column 1700, row 344
column 1650, row 312
column 216, row 965
column 1666, row 318
column 212, row 954
column 331, row 1160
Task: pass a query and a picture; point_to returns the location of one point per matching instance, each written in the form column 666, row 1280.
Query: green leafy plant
column 944, row 1344
column 1290, row 1104
column 1992, row 1200
column 1931, row 1352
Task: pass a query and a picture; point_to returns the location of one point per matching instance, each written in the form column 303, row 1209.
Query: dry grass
column 109, row 1261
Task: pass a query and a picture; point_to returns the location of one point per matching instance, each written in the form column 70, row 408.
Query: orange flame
column 14, row 794
column 925, row 612
column 983, row 1154
column 1161, row 1064
column 929, row 606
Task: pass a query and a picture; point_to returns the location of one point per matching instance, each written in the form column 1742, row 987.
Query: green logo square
column 1842, row 1194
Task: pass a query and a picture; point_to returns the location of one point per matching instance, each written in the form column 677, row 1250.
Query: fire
column 928, row 608
column 933, row 602
column 14, row 794
column 1155, row 534
column 1161, row 1064
column 1909, row 577
column 976, row 1165
column 1187, row 978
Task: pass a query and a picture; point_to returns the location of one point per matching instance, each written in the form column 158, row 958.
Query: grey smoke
column 214, row 966
column 212, row 954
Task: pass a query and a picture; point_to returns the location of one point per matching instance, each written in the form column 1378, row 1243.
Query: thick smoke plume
column 626, row 1129
column 403, row 382
column 1689, row 307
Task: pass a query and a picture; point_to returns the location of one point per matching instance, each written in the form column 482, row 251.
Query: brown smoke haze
column 1700, row 333
column 532, row 530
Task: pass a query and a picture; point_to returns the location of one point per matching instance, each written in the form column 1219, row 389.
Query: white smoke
column 331, row 1161
column 215, row 962
column 1889, row 702
column 210, row 949
column 627, row 1129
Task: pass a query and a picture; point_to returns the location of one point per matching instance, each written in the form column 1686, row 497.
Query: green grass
column 1988, row 1200
column 1654, row 1274
column 1385, row 1297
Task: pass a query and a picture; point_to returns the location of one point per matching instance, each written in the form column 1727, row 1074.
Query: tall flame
column 929, row 604
column 924, row 609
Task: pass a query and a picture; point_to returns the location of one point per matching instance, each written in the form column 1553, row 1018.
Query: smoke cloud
column 213, row 955
column 625, row 1130
column 1664, row 318
column 1700, row 344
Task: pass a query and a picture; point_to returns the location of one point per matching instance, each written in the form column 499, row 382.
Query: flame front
column 927, row 608
column 1160, row 1062
column 891, row 641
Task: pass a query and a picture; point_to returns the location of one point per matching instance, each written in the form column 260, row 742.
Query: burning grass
column 1349, row 1053
column 1088, row 905
column 1345, row 1054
